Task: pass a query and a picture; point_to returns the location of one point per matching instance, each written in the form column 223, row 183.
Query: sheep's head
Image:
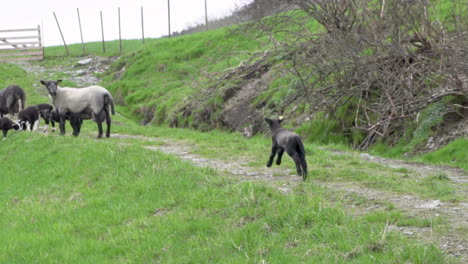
column 51, row 86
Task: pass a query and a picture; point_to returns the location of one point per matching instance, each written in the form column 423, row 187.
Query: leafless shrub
column 386, row 60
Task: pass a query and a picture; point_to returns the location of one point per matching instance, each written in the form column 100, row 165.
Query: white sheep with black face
column 77, row 104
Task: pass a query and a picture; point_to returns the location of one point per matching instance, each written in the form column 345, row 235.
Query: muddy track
column 455, row 216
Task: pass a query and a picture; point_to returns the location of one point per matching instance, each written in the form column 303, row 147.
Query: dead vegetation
column 371, row 65
column 384, row 63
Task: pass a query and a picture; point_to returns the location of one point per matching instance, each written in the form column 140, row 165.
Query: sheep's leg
column 99, row 125
column 4, row 132
column 28, row 126
column 280, row 155
column 76, row 124
column 62, row 125
column 108, row 123
column 274, row 148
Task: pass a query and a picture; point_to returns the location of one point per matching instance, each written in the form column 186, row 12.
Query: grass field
column 67, row 199
column 81, row 200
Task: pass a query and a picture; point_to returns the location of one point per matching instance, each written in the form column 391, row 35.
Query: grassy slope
column 146, row 89
column 167, row 71
column 68, row 200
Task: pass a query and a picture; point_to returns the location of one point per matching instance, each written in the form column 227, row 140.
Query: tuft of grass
column 441, row 187
column 453, row 154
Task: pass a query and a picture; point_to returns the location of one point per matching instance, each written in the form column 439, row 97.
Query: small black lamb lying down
column 6, row 124
column 29, row 118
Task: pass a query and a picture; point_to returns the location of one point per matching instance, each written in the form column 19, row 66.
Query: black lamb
column 6, row 124
column 29, row 118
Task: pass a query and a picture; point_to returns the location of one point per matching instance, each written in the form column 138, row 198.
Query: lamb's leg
column 280, row 155
column 46, row 126
column 35, row 125
column 4, row 132
column 28, row 126
column 274, row 148
column 53, row 125
column 297, row 160
column 304, row 168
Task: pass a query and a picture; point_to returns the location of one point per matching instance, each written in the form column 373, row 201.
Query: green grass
column 454, row 154
column 112, row 48
column 80, row 200
column 164, row 72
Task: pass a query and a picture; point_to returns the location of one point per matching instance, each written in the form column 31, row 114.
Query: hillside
column 177, row 183
column 390, row 94
column 130, row 198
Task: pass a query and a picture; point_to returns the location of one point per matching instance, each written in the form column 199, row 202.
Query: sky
column 17, row 14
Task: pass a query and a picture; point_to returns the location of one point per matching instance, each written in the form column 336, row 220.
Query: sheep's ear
column 269, row 121
column 59, row 81
column 44, row 83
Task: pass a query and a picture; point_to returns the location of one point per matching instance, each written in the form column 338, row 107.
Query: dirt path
column 455, row 216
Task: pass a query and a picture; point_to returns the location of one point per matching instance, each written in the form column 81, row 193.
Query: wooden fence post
column 63, row 39
column 81, row 31
column 102, row 30
column 169, row 16
column 142, row 27
column 120, row 34
column 39, row 36
column 206, row 15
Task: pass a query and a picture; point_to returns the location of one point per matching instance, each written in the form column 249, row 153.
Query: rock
column 430, row 205
column 80, row 72
column 284, row 190
column 85, row 61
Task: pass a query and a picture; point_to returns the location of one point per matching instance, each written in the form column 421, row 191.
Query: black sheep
column 6, row 124
column 12, row 100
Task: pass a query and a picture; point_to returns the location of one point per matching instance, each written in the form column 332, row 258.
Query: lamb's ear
column 59, row 81
column 269, row 121
column 280, row 119
column 44, row 83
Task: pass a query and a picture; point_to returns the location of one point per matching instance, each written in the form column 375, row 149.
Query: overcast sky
column 16, row 14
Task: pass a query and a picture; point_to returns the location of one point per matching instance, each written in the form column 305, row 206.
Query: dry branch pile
column 385, row 62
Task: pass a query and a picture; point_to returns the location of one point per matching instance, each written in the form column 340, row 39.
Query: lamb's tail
column 108, row 100
column 300, row 147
